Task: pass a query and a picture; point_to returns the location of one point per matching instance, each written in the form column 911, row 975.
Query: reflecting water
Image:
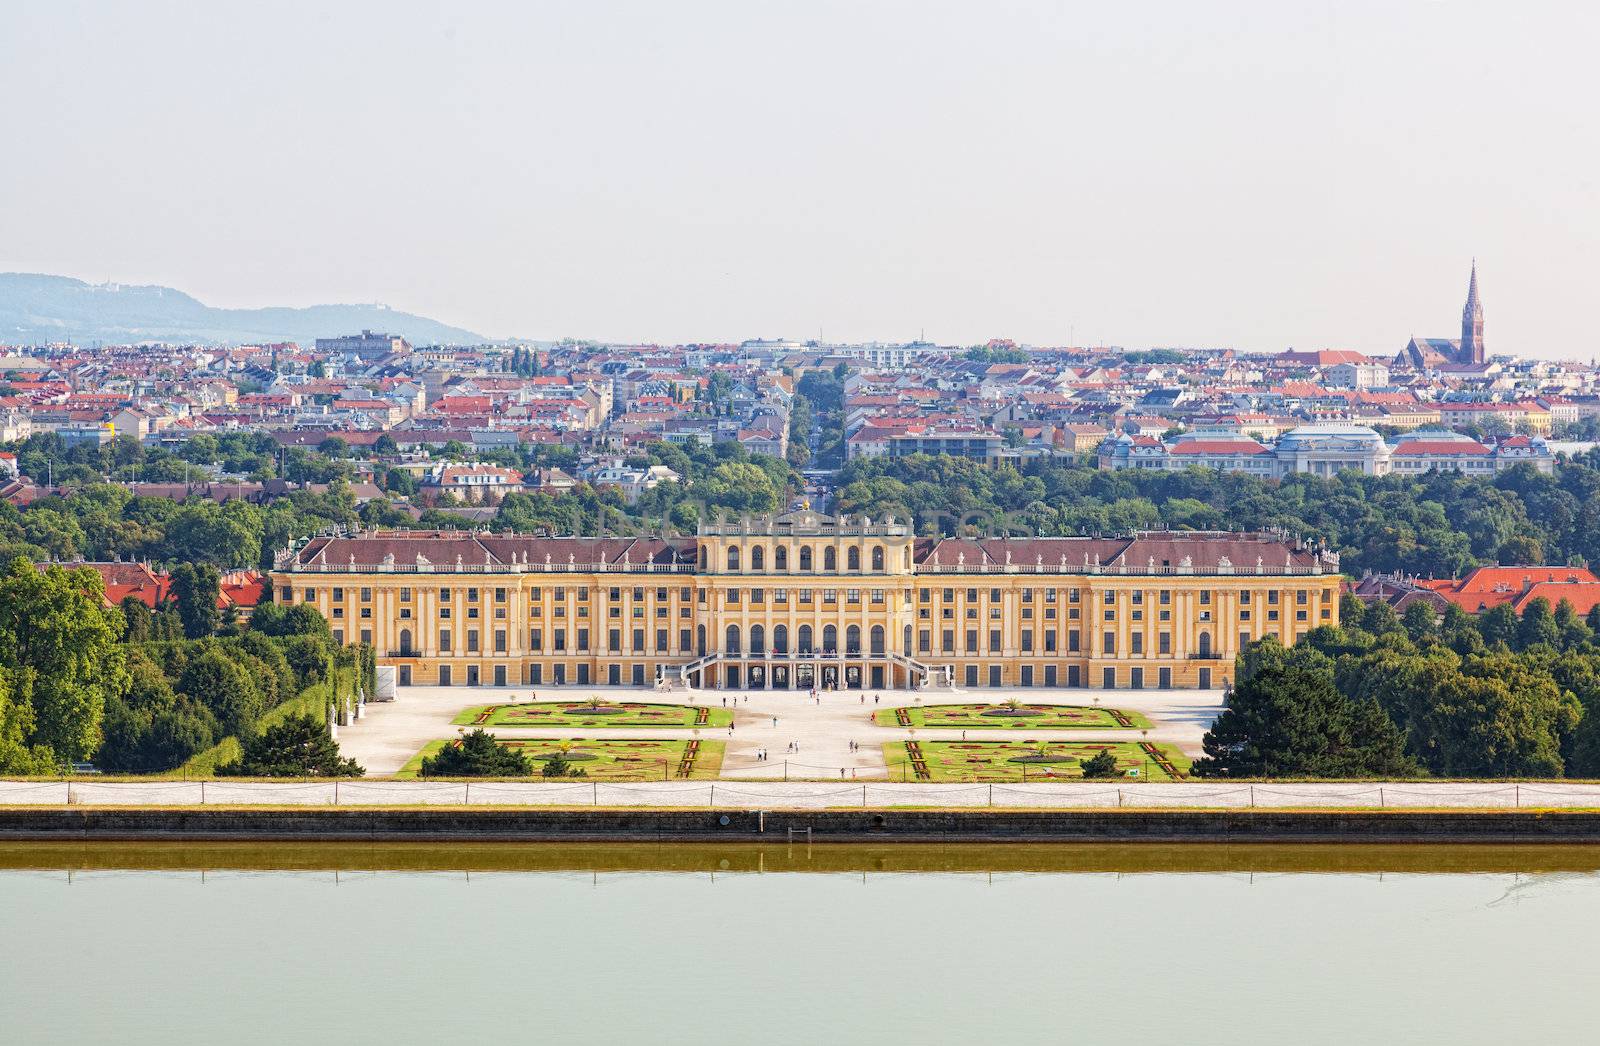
column 777, row 944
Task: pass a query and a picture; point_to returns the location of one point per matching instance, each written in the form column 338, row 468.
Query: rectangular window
column 499, row 595
column 1164, row 643
column 444, row 640
column 1109, row 643
column 638, row 641
column 972, row 641
column 1050, row 641
column 1027, row 640
column 472, row 640
column 661, row 641
column 1205, row 597
column 560, row 639
column 499, row 640
column 684, row 642
column 405, row 594
column 535, row 639
column 614, row 640
column 924, row 641
column 1072, row 641
column 1108, row 678
column 583, row 639
column 338, row 595
column 994, row 641
column 1138, row 643
column 1136, row 678
column 947, row 641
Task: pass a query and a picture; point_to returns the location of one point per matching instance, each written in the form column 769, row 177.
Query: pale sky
column 1259, row 175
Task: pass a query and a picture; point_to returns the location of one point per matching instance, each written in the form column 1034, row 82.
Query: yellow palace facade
column 806, row 600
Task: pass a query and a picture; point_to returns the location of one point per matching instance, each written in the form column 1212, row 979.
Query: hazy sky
column 1250, row 174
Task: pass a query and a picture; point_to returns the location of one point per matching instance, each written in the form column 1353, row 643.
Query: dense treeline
column 1493, row 696
column 122, row 686
column 1439, row 524
column 102, row 521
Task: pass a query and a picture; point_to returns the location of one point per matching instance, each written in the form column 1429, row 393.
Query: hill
column 37, row 309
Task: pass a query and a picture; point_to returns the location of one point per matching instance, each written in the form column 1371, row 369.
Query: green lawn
column 614, row 760
column 562, row 714
column 1045, row 717
column 992, row 760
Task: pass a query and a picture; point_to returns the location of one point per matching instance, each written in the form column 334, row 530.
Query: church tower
column 1472, row 322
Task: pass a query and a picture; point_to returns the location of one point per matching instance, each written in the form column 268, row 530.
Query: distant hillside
column 38, row 309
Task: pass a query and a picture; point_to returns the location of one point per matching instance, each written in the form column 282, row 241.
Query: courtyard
column 765, row 734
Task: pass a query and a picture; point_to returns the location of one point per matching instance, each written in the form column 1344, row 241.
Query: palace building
column 804, row 599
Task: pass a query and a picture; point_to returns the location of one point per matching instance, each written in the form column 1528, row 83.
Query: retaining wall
column 947, row 826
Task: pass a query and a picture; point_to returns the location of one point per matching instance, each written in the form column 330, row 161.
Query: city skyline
column 1255, row 179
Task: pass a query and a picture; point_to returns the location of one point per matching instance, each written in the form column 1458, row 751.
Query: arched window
column 877, row 558
column 405, row 641
column 830, row 639
column 805, row 557
column 700, row 640
column 907, row 648
column 780, row 558
column 758, row 558
column 803, row 639
column 877, row 639
column 1205, row 644
column 780, row 639
column 758, row 639
column 852, row 558
column 732, row 645
column 852, row 639
column 703, row 555
column 830, row 558
column 733, row 557
column 908, row 558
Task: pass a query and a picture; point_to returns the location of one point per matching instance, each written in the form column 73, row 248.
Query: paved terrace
column 390, row 734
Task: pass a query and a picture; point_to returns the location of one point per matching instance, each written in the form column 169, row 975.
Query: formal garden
column 1012, row 715
column 594, row 712
column 1031, row 760
column 603, row 760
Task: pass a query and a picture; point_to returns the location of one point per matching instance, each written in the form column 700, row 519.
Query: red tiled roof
column 1217, row 446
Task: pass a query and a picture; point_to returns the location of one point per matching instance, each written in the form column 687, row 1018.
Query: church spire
column 1472, row 322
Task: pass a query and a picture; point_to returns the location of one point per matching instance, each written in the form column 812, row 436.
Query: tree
column 197, row 589
column 1521, row 550
column 298, row 746
column 1381, row 619
column 17, row 756
column 59, row 646
column 1420, row 620
column 1538, row 625
column 1288, row 720
column 222, row 685
column 385, row 445
column 1103, row 764
column 1499, row 625
column 558, row 765
column 137, row 619
column 477, row 755
column 1499, row 717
